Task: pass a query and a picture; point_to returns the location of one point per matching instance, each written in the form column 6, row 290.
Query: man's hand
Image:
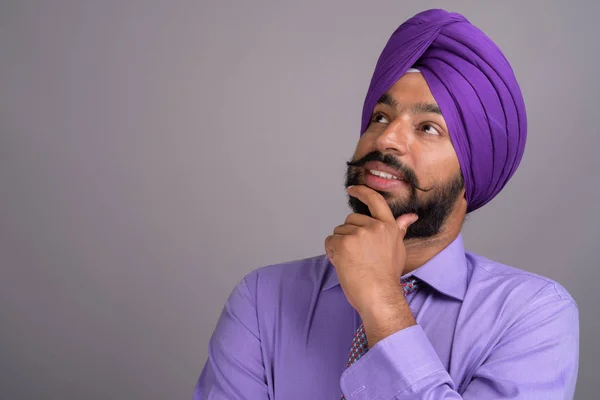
column 368, row 254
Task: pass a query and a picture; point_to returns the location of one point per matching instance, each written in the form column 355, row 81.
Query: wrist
column 384, row 318
column 382, row 303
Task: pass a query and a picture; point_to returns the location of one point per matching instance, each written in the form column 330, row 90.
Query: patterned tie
column 359, row 343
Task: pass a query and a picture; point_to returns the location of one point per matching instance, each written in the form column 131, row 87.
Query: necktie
column 359, row 343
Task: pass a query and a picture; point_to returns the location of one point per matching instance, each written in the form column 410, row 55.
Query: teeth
column 382, row 174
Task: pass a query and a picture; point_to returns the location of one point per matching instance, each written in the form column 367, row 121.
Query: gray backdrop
column 153, row 152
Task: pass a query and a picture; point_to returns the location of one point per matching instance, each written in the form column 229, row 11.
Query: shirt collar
column 446, row 272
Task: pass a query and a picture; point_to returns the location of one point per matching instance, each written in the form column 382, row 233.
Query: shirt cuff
column 392, row 365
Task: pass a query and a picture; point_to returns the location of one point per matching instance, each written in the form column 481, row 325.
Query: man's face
column 408, row 138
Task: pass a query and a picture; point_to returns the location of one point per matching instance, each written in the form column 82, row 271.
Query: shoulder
column 514, row 286
column 297, row 275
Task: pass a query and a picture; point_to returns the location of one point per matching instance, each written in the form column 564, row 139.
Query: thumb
column 404, row 221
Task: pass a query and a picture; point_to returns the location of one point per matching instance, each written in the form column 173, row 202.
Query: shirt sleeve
column 234, row 369
column 537, row 358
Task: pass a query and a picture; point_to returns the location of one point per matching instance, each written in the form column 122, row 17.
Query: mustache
column 407, row 173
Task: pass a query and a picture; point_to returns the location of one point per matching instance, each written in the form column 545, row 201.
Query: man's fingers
column 330, row 246
column 377, row 205
column 345, row 229
column 358, row 219
column 404, row 221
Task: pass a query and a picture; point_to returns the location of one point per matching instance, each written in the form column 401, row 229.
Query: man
column 395, row 308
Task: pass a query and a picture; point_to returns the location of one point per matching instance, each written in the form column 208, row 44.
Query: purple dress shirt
column 484, row 331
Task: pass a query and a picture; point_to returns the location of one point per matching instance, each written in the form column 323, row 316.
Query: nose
column 396, row 138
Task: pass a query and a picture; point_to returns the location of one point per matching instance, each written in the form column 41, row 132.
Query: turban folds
column 474, row 86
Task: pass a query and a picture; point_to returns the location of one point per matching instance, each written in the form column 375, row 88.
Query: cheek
column 438, row 167
column 451, row 164
column 448, row 172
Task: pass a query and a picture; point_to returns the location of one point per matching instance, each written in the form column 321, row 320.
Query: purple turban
column 474, row 86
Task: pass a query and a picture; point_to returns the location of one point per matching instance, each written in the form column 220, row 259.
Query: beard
column 432, row 212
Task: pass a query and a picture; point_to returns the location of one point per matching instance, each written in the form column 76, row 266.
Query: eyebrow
column 417, row 108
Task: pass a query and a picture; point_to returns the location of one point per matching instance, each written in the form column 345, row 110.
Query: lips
column 379, row 166
column 381, row 183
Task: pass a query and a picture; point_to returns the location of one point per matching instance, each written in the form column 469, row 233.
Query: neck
column 421, row 250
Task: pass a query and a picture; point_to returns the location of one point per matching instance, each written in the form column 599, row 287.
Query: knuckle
column 361, row 232
column 354, row 218
column 379, row 227
column 339, row 228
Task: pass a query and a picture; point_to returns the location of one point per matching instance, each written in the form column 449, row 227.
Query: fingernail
column 350, row 187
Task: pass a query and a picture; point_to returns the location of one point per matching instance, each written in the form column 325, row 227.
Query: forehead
column 411, row 88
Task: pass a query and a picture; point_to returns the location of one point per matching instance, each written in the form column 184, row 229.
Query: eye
column 430, row 129
column 380, row 118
